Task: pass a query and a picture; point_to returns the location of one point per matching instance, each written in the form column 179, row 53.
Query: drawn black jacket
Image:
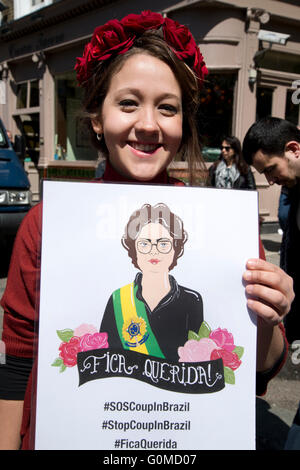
column 178, row 312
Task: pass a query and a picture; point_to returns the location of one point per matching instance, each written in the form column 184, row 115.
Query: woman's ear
column 97, row 126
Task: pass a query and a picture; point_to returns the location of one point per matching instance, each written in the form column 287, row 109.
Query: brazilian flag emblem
column 132, row 322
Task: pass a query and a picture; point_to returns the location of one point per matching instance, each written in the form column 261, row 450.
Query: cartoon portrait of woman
column 153, row 314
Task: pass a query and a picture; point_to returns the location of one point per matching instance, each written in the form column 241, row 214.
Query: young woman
column 231, row 170
column 141, row 76
column 153, row 314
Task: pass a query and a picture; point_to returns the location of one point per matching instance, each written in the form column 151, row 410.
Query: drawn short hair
column 160, row 213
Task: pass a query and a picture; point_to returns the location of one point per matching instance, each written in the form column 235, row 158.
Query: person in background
column 272, row 146
column 9, row 135
column 231, row 170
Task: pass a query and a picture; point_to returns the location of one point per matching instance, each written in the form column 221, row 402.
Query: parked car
column 15, row 195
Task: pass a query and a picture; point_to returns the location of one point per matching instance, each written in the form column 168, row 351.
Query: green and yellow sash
column 132, row 322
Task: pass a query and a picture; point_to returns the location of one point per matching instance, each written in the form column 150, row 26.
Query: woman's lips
column 154, row 261
column 142, row 149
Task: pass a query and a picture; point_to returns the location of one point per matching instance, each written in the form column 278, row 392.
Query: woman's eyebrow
column 137, row 92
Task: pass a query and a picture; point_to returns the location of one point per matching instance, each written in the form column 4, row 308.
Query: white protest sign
column 145, row 340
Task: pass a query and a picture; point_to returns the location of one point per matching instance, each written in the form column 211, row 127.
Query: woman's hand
column 269, row 290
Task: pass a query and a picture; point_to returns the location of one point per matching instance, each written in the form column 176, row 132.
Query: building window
column 216, row 112
column 72, row 140
column 291, row 109
column 36, row 2
column 28, row 95
column 29, row 125
column 264, row 99
column 22, row 95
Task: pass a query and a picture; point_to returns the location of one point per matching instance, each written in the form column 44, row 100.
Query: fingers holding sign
column 269, row 290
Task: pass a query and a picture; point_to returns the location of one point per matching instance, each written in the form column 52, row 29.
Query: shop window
column 29, row 125
column 291, row 109
column 71, row 137
column 28, row 94
column 216, row 112
column 275, row 60
column 264, row 98
column 22, row 95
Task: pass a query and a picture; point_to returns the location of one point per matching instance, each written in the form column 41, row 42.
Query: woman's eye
column 168, row 109
column 128, row 104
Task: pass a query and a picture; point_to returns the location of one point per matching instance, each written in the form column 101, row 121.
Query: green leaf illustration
column 239, row 351
column 193, row 335
column 63, row 368
column 204, row 330
column 229, row 376
column 58, row 362
column 65, row 335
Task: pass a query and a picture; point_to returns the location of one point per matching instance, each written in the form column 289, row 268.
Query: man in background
column 272, row 146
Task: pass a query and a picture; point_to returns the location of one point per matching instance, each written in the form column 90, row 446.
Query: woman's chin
column 144, row 176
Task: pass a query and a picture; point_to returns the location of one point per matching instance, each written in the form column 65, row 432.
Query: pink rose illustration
column 85, row 328
column 223, row 339
column 83, row 338
column 93, row 341
column 197, row 351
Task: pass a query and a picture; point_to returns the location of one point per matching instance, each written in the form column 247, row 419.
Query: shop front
column 40, row 98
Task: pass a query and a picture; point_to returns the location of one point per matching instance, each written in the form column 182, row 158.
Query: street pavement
column 276, row 409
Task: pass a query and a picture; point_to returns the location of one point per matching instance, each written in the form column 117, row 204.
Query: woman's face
column 154, row 248
column 227, row 152
column 141, row 118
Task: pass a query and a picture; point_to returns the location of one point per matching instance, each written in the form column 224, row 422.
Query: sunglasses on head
column 225, row 147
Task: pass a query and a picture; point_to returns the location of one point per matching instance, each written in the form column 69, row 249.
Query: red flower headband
column 117, row 37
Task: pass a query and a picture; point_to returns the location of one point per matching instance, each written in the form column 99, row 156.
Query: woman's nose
column 147, row 122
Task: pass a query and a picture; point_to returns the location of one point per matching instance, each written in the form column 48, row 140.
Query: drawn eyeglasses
column 163, row 245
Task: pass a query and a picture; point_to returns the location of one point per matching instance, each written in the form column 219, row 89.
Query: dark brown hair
column 160, row 213
column 235, row 144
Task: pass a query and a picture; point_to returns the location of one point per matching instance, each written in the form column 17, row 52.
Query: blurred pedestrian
column 272, row 145
column 231, row 170
column 9, row 135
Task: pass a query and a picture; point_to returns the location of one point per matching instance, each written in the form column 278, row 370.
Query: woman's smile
column 143, row 150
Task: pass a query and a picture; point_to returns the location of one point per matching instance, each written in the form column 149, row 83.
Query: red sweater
column 21, row 298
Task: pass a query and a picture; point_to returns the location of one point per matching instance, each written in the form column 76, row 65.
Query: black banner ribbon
column 183, row 377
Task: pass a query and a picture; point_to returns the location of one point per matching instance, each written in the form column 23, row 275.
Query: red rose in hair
column 107, row 40
column 117, row 37
column 230, row 359
column 140, row 23
column 181, row 40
